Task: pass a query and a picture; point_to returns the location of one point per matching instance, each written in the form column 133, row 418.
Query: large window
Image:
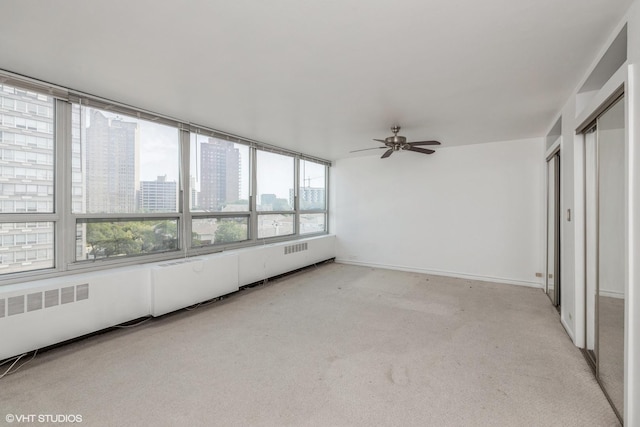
column 127, row 167
column 83, row 180
column 218, row 191
column 275, row 175
column 124, row 164
column 109, row 239
column 219, row 175
column 312, row 196
column 27, row 172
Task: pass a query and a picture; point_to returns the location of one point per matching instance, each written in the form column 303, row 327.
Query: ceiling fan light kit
column 399, row 142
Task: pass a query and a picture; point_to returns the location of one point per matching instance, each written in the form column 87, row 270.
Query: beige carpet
column 335, row 345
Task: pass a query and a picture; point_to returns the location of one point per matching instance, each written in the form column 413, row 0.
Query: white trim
column 555, row 148
column 567, row 329
column 443, row 273
column 602, row 99
column 611, row 294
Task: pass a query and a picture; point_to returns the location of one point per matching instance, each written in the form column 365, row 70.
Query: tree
column 107, row 239
column 229, row 231
column 111, row 238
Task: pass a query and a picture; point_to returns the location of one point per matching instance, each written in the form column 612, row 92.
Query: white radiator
column 261, row 262
column 40, row 313
column 181, row 283
column 46, row 312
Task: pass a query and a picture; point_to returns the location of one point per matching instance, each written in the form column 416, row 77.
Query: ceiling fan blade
column 365, row 149
column 420, row 150
column 424, row 143
column 387, row 153
column 381, row 140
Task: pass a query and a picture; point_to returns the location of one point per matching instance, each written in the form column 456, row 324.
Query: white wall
column 470, row 211
column 576, row 109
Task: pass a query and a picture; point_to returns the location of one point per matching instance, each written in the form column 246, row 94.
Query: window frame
column 64, row 220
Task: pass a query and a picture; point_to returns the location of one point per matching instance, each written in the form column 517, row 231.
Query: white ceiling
column 321, row 77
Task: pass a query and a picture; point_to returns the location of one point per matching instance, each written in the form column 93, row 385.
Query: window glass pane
column 129, row 165
column 97, row 239
column 33, row 162
column 312, row 223
column 275, row 178
column 274, row 225
column 20, row 244
column 219, row 175
column 312, row 185
column 219, row 231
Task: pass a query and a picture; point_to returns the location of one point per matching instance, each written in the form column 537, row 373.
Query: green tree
column 107, row 239
column 229, row 231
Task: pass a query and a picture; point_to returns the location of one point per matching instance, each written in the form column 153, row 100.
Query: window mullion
column 65, row 232
column 253, row 232
column 184, row 207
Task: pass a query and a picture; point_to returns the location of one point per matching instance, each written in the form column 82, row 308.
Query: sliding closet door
column 611, row 253
column 553, row 229
column 591, row 241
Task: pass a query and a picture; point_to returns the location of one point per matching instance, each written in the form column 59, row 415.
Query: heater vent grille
column 16, row 305
column 68, row 295
column 34, row 301
column 182, row 261
column 51, row 298
column 39, row 300
column 298, row 247
column 82, row 292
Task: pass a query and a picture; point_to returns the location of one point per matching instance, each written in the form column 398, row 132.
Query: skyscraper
column 158, row 196
column 27, row 178
column 219, row 174
column 112, row 164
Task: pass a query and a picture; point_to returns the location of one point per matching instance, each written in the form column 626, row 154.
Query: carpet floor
column 335, row 345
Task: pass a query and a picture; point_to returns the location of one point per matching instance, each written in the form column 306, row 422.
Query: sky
column 160, row 156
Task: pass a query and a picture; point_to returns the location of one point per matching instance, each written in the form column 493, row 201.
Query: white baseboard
column 611, row 294
column 443, row 273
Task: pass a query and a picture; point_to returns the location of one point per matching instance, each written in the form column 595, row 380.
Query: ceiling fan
column 398, row 142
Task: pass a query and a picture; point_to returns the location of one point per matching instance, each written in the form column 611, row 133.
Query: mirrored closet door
column 605, row 249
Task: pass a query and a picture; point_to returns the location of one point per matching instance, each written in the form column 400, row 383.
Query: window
column 275, row 193
column 312, row 197
column 125, row 196
column 312, row 185
column 111, row 239
column 275, row 182
column 19, row 245
column 218, row 175
column 219, row 231
column 131, row 168
column 273, row 225
column 123, row 153
column 28, row 189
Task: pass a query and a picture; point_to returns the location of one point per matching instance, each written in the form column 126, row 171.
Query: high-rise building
column 112, row 164
column 26, row 178
column 219, row 174
column 158, row 196
column 309, row 197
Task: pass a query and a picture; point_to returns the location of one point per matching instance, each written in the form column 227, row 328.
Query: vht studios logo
column 43, row 418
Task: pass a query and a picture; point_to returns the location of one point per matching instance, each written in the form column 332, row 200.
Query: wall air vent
column 298, row 247
column 16, row 305
column 182, row 261
column 82, row 292
column 68, row 295
column 51, row 298
column 34, row 301
column 39, row 300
